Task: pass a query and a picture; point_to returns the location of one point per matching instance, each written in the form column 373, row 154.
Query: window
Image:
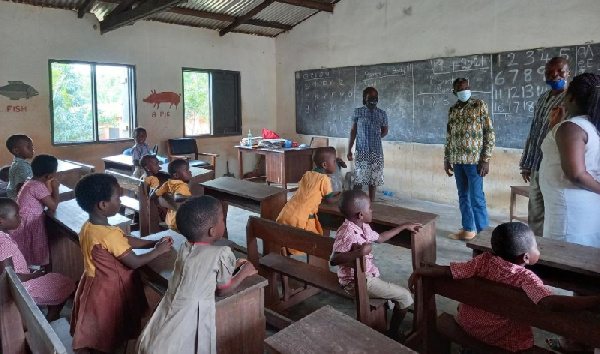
column 91, row 102
column 211, row 102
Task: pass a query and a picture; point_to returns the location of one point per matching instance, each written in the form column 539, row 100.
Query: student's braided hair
column 585, row 89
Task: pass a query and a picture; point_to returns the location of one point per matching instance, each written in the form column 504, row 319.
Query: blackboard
column 417, row 95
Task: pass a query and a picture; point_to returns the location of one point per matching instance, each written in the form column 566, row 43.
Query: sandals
column 556, row 344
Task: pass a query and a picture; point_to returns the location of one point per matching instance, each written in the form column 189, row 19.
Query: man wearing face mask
column 469, row 143
column 370, row 124
column 556, row 74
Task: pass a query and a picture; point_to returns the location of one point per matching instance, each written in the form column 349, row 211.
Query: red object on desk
column 269, row 134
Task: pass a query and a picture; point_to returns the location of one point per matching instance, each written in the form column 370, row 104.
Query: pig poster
column 156, row 99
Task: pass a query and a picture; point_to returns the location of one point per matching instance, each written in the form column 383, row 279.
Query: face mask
column 557, row 85
column 372, row 101
column 464, row 95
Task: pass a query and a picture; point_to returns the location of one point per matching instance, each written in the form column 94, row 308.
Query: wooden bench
column 514, row 191
column 502, row 300
column 23, row 327
column 371, row 312
column 70, row 172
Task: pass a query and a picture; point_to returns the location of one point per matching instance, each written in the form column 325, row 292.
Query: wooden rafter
column 309, row 4
column 244, row 19
column 85, row 8
column 144, row 10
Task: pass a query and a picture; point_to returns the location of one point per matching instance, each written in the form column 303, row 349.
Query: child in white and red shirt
column 514, row 247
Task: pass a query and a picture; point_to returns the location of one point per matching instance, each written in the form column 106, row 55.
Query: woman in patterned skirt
column 370, row 124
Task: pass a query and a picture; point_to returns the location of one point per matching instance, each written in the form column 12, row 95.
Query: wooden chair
column 503, row 300
column 179, row 148
column 23, row 328
column 317, row 142
column 272, row 264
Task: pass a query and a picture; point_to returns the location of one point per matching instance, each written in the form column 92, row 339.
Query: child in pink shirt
column 33, row 197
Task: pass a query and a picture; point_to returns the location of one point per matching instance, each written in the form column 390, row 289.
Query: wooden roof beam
column 227, row 18
column 85, row 8
column 150, row 7
column 310, row 4
column 244, row 19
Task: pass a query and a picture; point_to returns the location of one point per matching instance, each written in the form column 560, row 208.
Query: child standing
column 50, row 289
column 153, row 176
column 21, row 146
column 314, row 187
column 353, row 239
column 184, row 321
column 179, row 170
column 110, row 299
column 4, row 173
column 31, row 236
column 514, row 247
column 139, row 150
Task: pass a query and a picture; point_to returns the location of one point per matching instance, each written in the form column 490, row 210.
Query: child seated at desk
column 175, row 189
column 314, row 187
column 184, row 321
column 31, row 236
column 514, row 247
column 353, row 239
column 21, row 146
column 3, row 180
column 50, row 289
column 139, row 150
column 110, row 299
column 153, row 176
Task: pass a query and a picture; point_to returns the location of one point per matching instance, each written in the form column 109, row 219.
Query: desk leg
column 423, row 248
column 240, row 164
column 513, row 201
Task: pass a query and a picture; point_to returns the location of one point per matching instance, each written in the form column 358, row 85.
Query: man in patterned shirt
column 514, row 247
column 557, row 72
column 469, row 143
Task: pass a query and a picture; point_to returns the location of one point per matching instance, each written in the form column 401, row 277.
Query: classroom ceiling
column 259, row 17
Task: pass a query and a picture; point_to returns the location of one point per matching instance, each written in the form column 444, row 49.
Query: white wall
column 361, row 32
column 32, row 35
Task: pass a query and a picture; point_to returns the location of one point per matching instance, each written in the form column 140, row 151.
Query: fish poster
column 15, row 90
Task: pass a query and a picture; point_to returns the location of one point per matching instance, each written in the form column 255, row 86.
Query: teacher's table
column 329, row 331
column 240, row 319
column 256, row 197
column 120, row 163
column 564, row 265
column 63, row 227
column 199, row 175
column 284, row 166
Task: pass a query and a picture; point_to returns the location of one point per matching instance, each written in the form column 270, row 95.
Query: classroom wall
column 32, row 35
column 369, row 32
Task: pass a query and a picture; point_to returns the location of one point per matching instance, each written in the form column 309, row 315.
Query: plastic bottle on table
column 249, row 138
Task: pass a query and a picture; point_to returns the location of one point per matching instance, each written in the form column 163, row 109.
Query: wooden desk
column 68, row 173
column 329, row 331
column 259, row 198
column 514, row 191
column 240, row 319
column 63, row 227
column 121, row 163
column 386, row 217
column 283, row 165
column 65, row 193
column 199, row 175
column 563, row 265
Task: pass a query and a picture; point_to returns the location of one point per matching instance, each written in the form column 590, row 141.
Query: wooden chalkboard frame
column 417, row 94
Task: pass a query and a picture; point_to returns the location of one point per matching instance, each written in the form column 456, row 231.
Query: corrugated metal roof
column 284, row 13
column 277, row 13
column 258, row 30
column 193, row 21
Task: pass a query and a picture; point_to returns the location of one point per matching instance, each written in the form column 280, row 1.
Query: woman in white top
column 570, row 171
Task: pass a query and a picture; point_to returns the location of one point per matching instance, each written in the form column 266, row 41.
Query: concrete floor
column 393, row 262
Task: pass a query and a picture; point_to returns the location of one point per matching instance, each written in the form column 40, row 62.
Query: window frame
column 210, row 93
column 132, row 83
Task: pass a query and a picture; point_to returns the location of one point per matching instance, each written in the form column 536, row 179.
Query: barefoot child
column 31, row 236
column 175, row 189
column 153, row 176
column 514, row 247
column 353, row 239
column 314, row 187
column 21, row 146
column 184, row 321
column 110, row 299
column 50, row 289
